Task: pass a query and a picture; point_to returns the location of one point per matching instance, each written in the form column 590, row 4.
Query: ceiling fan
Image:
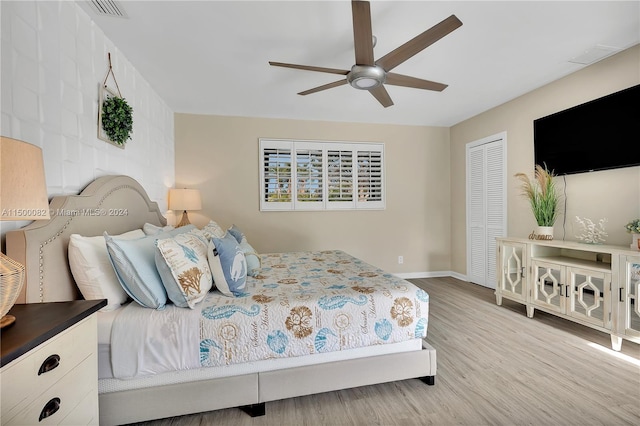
column 371, row 75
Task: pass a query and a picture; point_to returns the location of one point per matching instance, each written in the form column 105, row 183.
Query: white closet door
column 486, row 207
column 476, row 232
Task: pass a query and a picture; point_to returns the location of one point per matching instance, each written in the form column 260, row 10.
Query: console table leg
column 530, row 311
column 498, row 299
column 616, row 343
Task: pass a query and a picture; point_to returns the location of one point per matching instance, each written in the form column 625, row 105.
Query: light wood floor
column 495, row 367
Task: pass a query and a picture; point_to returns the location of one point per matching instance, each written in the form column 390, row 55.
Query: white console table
column 595, row 285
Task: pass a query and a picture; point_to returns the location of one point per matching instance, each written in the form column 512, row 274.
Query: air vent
column 594, row 54
column 108, row 8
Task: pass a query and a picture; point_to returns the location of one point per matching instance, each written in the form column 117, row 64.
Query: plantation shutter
column 369, row 172
column 309, row 176
column 313, row 175
column 276, row 176
column 340, row 179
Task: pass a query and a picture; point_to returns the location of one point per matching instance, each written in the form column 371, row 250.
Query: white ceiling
column 211, row 57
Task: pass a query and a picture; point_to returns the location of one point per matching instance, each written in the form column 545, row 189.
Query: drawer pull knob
column 50, row 409
column 49, row 364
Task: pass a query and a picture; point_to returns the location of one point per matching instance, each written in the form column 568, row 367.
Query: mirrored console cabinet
column 594, row 285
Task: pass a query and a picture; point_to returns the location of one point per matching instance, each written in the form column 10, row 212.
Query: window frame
column 300, row 149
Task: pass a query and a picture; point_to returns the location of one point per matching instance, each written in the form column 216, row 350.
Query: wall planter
column 115, row 115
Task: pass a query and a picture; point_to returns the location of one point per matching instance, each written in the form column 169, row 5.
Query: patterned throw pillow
column 212, row 229
column 183, row 268
column 228, row 265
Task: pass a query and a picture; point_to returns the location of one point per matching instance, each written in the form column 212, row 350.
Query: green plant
column 542, row 195
column 633, row 227
column 117, row 120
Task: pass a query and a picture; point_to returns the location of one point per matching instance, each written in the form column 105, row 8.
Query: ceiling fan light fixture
column 366, row 77
column 365, row 83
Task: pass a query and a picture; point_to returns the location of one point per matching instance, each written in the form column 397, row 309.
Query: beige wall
column 219, row 155
column 614, row 194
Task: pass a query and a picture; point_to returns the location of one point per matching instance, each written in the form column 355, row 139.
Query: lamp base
column 7, row 320
column 184, row 221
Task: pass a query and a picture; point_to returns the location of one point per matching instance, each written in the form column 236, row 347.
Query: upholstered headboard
column 115, row 204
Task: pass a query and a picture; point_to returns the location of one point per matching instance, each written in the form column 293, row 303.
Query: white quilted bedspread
column 301, row 303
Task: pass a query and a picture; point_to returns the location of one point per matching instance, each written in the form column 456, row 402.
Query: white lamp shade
column 185, row 199
column 23, row 190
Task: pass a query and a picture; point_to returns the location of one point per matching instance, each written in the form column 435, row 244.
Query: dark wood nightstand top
column 38, row 322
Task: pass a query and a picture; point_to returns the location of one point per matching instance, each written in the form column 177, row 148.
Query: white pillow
column 92, row 270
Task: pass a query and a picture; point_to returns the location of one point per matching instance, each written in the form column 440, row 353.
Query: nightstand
column 49, row 365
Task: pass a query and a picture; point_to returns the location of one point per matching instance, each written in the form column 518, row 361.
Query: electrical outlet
column 400, row 260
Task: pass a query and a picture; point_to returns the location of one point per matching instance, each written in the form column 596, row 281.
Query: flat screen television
column 597, row 135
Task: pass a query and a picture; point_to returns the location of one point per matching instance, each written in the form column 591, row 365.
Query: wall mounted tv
column 597, row 135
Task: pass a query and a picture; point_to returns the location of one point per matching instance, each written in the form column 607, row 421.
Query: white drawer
column 86, row 412
column 71, row 392
column 21, row 382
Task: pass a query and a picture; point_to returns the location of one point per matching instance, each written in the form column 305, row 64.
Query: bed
column 313, row 290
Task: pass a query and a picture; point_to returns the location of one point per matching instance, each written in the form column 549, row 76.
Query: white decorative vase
column 635, row 243
column 545, row 232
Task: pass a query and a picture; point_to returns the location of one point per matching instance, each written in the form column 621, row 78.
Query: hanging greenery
column 117, row 119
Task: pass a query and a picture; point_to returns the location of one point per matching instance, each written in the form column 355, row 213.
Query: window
column 310, row 175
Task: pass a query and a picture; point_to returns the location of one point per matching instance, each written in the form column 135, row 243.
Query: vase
column 544, row 233
column 635, row 243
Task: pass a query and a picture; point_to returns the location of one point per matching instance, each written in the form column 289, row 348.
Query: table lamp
column 184, row 199
column 23, row 196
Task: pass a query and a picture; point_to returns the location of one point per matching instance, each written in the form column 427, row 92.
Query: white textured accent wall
column 53, row 60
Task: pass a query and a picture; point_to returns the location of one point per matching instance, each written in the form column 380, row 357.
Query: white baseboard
column 433, row 274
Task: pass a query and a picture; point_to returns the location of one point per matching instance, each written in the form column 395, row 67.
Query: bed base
column 250, row 392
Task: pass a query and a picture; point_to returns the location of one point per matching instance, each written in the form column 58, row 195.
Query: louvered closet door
column 476, row 233
column 486, row 208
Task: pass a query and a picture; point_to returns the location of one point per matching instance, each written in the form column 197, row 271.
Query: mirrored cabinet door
column 512, row 273
column 589, row 293
column 630, row 293
column 548, row 286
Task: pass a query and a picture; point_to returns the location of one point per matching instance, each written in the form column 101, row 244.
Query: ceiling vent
column 108, row 8
column 594, row 54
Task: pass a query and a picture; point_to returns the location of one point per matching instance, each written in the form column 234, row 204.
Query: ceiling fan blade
column 362, row 35
column 418, row 43
column 381, row 94
column 324, row 87
column 309, row 68
column 416, row 83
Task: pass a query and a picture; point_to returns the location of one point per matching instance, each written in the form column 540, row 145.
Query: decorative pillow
column 212, row 229
column 236, row 232
column 135, row 266
column 228, row 265
column 92, row 270
column 183, row 268
column 253, row 258
column 254, row 262
column 151, row 229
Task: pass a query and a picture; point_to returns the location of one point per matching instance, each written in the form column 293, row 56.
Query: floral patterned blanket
column 301, row 303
